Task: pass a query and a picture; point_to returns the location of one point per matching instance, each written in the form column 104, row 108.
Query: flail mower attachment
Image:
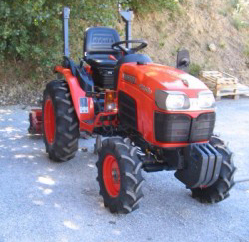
column 35, row 121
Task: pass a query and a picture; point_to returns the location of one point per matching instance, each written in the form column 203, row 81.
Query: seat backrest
column 98, row 43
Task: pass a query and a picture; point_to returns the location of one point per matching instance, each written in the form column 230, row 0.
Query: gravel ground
column 45, row 201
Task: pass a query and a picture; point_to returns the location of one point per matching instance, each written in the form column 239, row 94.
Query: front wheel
column 119, row 175
column 220, row 189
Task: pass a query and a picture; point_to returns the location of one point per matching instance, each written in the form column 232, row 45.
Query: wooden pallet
column 223, row 84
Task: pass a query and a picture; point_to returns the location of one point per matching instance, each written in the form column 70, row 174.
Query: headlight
column 206, row 99
column 169, row 100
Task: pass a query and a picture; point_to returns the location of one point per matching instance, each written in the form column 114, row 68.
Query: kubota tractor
column 155, row 117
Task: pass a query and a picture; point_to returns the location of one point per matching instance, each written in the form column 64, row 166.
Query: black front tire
column 220, row 189
column 131, row 180
column 65, row 143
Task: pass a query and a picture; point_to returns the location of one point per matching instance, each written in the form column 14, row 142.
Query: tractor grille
column 127, row 110
column 202, row 127
column 179, row 128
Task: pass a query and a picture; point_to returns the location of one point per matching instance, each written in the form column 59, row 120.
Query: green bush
column 150, row 5
column 31, row 30
column 238, row 23
column 195, row 69
column 26, row 28
column 234, row 3
column 246, row 50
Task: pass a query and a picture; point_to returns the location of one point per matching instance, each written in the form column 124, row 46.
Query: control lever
column 112, row 57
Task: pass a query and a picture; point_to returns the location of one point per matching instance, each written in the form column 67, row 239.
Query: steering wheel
column 118, row 46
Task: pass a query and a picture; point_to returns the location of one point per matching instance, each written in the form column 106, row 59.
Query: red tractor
column 155, row 117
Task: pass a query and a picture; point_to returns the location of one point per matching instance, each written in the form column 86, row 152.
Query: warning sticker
column 83, row 105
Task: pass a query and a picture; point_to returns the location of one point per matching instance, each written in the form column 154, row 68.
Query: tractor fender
column 84, row 106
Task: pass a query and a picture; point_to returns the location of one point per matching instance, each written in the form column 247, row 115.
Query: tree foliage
column 31, row 30
column 151, row 5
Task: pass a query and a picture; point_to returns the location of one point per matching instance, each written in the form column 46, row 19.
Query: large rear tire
column 60, row 123
column 220, row 189
column 119, row 176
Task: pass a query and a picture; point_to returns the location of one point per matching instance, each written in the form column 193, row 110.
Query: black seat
column 98, row 45
column 97, row 49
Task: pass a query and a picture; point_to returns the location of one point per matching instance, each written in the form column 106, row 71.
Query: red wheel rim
column 49, row 121
column 111, row 175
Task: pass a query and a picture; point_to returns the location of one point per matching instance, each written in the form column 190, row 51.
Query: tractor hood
column 152, row 77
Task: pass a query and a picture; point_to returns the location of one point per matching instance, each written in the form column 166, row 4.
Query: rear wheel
column 119, row 176
column 60, row 123
column 220, row 189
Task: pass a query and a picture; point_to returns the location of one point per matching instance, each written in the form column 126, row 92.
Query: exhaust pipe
column 127, row 16
column 66, row 13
